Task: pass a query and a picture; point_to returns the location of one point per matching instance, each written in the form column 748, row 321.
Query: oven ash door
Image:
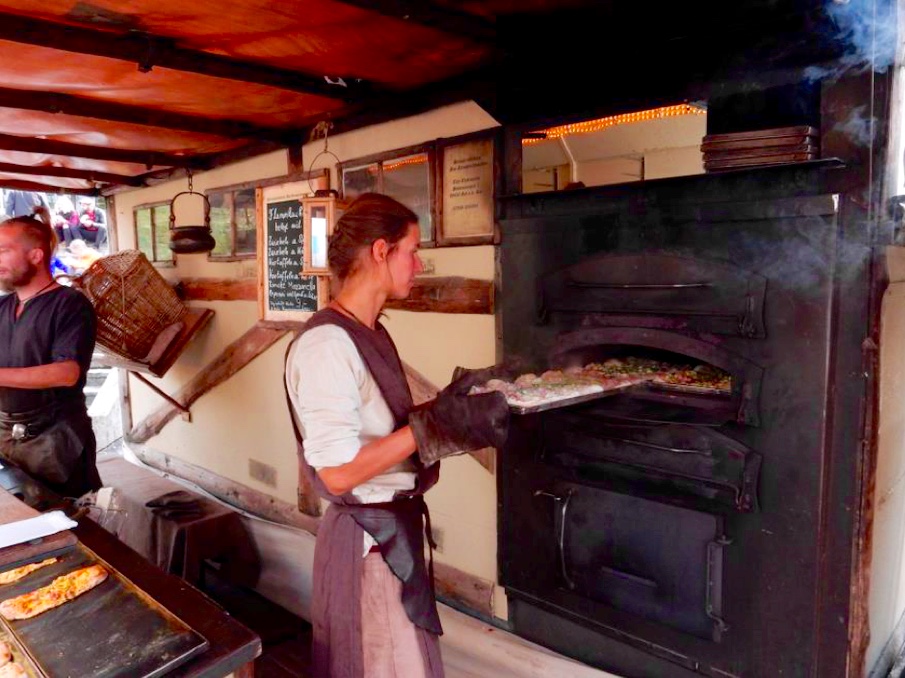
column 662, row 563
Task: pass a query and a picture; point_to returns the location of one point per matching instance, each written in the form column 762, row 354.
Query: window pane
column 221, row 222
column 408, row 180
column 246, row 223
column 358, row 180
column 143, row 232
column 162, row 233
column 319, row 236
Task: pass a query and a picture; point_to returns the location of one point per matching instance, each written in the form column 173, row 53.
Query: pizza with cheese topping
column 18, row 573
column 61, row 590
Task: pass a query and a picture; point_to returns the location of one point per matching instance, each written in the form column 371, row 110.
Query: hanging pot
column 191, row 239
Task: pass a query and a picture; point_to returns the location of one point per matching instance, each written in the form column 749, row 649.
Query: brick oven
column 679, row 532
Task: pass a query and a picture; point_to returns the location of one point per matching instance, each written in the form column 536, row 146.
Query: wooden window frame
column 232, row 255
column 434, row 151
column 257, row 184
column 430, row 149
column 162, row 263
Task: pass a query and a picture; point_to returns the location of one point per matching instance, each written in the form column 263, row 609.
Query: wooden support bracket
column 186, row 413
column 234, row 357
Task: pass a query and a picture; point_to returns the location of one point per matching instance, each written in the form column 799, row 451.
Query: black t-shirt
column 56, row 326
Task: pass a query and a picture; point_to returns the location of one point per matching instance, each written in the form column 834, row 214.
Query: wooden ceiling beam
column 53, row 102
column 44, row 188
column 203, row 163
column 146, row 51
column 424, row 13
column 87, row 175
column 11, row 142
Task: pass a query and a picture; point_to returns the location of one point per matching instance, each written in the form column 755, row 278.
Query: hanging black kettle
column 191, row 239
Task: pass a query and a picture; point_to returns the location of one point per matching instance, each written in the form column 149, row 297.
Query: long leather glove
column 455, row 422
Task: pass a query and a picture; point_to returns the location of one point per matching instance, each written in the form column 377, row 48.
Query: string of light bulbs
column 587, row 126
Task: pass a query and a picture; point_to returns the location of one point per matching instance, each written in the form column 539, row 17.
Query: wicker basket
column 133, row 302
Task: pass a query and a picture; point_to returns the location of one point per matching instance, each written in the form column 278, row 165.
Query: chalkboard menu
column 284, row 292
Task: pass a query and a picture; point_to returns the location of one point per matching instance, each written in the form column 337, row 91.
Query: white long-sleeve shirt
column 339, row 408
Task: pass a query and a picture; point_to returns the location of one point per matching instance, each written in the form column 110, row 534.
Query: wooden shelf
column 195, row 320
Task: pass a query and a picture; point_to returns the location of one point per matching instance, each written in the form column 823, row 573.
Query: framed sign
column 468, row 179
column 284, row 293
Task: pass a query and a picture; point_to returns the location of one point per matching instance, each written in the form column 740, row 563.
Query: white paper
column 23, row 531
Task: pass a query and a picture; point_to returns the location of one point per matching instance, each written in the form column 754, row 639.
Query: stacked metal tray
column 113, row 630
column 776, row 146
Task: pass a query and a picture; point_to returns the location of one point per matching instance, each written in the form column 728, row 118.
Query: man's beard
column 20, row 278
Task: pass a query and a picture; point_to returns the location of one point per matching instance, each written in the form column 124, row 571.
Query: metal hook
column 323, row 127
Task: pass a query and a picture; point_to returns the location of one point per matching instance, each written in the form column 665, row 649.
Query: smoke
column 866, row 32
column 858, row 126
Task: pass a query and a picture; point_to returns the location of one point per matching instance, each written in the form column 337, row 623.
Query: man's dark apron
column 397, row 526
column 54, row 444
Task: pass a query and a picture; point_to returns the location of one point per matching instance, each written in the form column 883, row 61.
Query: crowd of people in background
column 80, row 226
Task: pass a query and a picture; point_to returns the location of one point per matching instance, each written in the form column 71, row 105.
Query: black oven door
column 658, row 561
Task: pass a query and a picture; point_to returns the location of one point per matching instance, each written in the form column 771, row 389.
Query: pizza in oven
column 18, row 573
column 529, row 390
column 61, row 590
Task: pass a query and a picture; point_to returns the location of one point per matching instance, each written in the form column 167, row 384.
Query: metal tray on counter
column 113, row 630
column 574, row 400
column 20, row 656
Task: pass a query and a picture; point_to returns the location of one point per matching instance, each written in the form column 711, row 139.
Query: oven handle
column 640, row 286
column 561, row 539
column 654, row 446
column 714, row 590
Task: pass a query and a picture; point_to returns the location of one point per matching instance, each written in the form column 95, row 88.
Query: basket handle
column 207, row 209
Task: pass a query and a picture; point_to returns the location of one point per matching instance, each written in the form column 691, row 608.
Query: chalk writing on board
column 286, row 290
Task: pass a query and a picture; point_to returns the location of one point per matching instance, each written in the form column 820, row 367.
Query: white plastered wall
column 246, row 416
column 887, row 572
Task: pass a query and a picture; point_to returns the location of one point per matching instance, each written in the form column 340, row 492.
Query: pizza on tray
column 22, row 571
column 530, row 390
column 61, row 590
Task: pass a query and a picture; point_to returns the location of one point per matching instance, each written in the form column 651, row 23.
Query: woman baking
column 372, row 456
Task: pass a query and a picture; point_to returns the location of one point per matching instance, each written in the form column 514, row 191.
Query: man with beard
column 47, row 334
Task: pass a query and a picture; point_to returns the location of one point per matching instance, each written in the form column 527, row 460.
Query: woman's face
column 403, row 264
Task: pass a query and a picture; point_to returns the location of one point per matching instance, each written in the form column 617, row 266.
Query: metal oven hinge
column 561, row 537
column 746, row 325
column 714, row 592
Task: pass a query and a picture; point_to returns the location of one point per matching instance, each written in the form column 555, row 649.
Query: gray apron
column 398, row 526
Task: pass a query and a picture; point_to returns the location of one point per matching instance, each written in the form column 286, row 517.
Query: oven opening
column 669, row 386
column 657, row 368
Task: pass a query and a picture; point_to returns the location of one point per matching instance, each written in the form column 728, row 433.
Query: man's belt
column 26, row 425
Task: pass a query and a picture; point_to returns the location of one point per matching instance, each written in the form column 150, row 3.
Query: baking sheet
column 113, row 630
column 573, row 400
column 687, row 388
column 799, row 130
column 756, row 162
column 20, row 656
